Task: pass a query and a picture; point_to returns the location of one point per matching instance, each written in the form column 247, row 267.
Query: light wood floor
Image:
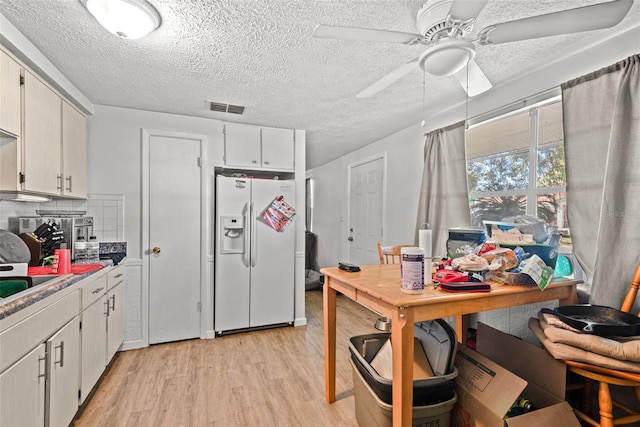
column 273, row 377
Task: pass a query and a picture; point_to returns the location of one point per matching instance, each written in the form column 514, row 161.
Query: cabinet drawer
column 93, row 290
column 21, row 338
column 115, row 276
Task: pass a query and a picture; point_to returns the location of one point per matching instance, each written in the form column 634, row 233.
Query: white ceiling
column 260, row 54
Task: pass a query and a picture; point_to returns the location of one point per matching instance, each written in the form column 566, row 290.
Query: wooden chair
column 391, row 254
column 606, row 377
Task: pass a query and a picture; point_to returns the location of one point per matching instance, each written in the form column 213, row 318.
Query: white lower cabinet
column 22, row 387
column 115, row 319
column 63, row 361
column 94, row 345
column 52, row 357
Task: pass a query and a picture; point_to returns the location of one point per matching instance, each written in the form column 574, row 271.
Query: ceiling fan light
column 447, row 58
column 129, row 19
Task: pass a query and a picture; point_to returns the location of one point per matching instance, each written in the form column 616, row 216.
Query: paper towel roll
column 424, row 242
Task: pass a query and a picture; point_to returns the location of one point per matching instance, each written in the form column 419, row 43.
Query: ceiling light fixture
column 129, row 19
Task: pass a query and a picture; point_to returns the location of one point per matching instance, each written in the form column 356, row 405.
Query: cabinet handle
column 41, row 362
column 117, row 276
column 106, row 307
column 97, row 291
column 254, row 161
column 61, row 361
column 113, row 302
column 59, row 182
column 69, row 179
column 266, row 162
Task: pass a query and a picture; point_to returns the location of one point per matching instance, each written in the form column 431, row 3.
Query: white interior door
column 174, row 238
column 365, row 207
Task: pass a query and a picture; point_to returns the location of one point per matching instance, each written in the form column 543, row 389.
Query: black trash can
column 433, row 398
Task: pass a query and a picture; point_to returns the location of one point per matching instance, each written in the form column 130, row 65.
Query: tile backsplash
column 107, row 211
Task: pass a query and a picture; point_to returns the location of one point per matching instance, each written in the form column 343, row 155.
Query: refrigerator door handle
column 254, row 237
column 247, row 234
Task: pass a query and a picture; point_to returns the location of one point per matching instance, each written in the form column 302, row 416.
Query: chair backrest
column 391, row 254
column 632, row 293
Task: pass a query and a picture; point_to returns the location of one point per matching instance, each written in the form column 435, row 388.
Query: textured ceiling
column 260, row 54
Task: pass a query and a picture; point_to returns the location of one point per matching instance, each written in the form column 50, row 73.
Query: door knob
column 156, row 250
column 350, row 239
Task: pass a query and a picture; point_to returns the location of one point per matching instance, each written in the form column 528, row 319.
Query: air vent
column 226, row 108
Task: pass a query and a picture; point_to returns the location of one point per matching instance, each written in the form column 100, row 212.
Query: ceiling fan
column 446, row 26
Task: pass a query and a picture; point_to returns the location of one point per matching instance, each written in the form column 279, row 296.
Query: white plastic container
column 80, row 251
column 93, row 250
column 412, row 270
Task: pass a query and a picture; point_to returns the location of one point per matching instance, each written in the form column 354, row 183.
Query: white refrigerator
column 254, row 263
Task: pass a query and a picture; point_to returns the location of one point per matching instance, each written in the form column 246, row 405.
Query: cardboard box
column 503, row 369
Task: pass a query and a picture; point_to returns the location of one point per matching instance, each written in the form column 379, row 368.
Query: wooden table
column 377, row 287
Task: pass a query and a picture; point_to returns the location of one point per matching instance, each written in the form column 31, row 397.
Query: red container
column 61, row 261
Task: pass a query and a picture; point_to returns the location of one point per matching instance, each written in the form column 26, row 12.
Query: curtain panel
column 444, row 196
column 601, row 115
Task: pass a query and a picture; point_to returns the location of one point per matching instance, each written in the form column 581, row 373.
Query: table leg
column 462, row 324
column 402, row 359
column 329, row 310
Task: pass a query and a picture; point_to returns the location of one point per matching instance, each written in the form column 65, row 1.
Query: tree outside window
column 515, row 166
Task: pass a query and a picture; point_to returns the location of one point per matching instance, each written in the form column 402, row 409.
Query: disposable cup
column 62, row 261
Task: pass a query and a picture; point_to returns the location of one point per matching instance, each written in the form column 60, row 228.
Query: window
column 515, row 166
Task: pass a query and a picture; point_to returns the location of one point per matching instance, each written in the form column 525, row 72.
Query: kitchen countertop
column 35, row 294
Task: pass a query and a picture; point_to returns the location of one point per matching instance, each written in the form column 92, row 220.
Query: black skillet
column 599, row 320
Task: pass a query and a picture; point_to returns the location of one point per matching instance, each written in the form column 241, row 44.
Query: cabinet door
column 115, row 320
column 9, row 94
column 277, row 149
column 22, row 387
column 93, row 337
column 63, row 351
column 41, row 137
column 242, row 146
column 74, row 151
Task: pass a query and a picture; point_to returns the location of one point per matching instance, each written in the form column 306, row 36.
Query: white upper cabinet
column 242, row 146
column 253, row 147
column 9, row 94
column 74, row 151
column 277, row 148
column 41, row 138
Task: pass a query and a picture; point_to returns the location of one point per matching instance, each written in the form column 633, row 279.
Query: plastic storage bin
column 371, row 411
column 462, row 239
column 439, row 342
column 548, row 253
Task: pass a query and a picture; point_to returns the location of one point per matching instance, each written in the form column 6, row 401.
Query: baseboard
column 132, row 345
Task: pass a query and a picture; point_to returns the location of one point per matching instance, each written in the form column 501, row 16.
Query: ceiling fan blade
column 472, row 79
column 389, row 79
column 464, row 10
column 367, row 34
column 594, row 17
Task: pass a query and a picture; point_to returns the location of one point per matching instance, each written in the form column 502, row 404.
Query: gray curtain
column 602, row 149
column 444, row 196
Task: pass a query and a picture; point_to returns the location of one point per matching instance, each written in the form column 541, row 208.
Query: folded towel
column 566, row 352
column 617, row 348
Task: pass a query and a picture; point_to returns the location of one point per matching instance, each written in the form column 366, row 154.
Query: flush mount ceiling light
column 129, row 19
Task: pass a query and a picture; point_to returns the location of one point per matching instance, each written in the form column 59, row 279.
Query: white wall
column 403, row 172
column 114, row 164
